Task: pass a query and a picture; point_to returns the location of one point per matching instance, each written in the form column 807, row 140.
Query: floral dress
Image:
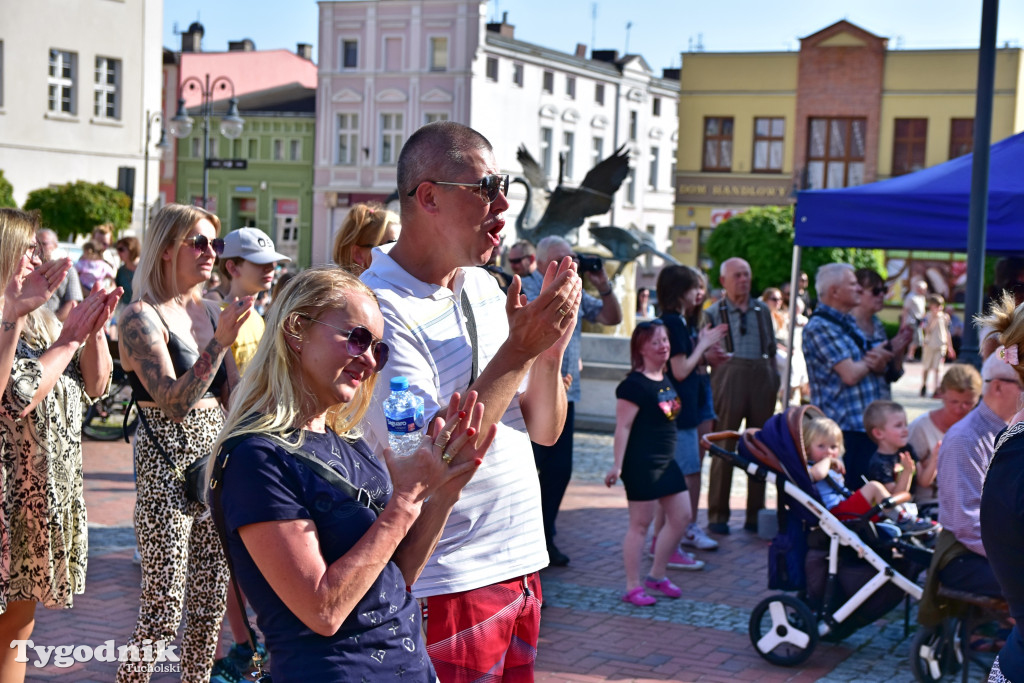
column 43, row 532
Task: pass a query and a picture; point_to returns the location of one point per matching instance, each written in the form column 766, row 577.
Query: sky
column 659, row 29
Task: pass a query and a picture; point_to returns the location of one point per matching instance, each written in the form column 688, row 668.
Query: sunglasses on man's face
column 878, row 290
column 489, row 186
column 201, row 243
column 359, row 339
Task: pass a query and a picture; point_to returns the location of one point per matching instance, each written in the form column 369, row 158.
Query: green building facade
column 275, row 192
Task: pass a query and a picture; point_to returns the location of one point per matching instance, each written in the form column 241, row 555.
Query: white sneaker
column 696, row 538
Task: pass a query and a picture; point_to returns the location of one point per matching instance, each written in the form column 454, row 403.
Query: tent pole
column 978, row 212
column 794, row 284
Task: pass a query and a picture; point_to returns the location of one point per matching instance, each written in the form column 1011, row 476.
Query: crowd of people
column 266, row 388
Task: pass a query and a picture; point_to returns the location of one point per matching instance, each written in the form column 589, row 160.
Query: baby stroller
column 845, row 575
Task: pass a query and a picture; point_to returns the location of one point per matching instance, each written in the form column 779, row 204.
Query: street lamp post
column 230, row 126
column 163, row 146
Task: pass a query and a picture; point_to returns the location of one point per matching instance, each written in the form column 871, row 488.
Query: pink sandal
column 638, row 597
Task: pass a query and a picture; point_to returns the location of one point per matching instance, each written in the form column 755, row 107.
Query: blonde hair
column 154, row 276
column 269, row 399
column 961, row 377
column 17, row 233
column 820, row 429
column 364, row 225
column 877, row 413
column 1006, row 320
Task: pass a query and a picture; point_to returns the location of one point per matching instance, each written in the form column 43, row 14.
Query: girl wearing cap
column 247, row 265
column 174, row 347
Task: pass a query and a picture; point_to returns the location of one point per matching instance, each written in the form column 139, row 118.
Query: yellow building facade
column 754, row 128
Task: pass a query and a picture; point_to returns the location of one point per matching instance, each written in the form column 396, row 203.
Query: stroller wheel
column 934, row 652
column 783, row 630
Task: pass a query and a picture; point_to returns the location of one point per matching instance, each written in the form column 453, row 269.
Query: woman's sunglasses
column 359, row 340
column 201, row 242
column 489, row 186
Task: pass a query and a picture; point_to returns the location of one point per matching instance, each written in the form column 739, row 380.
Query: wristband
column 604, row 294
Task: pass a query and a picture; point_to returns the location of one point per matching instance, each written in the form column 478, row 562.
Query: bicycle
column 105, row 420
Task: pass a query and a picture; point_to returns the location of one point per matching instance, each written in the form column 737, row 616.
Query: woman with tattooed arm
column 175, row 348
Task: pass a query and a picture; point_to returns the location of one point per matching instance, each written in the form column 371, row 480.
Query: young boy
column 937, row 340
column 823, row 442
column 892, row 465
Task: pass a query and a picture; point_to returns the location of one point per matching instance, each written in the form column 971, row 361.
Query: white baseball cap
column 251, row 244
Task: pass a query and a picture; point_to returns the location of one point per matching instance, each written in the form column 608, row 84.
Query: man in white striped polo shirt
column 449, row 326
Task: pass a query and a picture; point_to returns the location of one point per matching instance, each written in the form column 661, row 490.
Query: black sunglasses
column 516, row 261
column 359, row 340
column 201, row 242
column 879, row 290
column 489, row 185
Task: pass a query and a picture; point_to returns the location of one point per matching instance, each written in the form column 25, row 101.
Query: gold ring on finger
column 563, row 312
column 447, row 457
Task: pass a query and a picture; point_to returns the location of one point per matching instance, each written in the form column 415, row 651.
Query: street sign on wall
column 236, row 164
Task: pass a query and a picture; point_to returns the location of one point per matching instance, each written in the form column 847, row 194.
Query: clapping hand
column 29, row 293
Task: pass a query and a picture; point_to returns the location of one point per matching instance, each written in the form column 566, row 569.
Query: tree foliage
column 76, row 208
column 6, row 193
column 764, row 238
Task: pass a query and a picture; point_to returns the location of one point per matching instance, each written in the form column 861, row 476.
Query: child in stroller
column 846, row 575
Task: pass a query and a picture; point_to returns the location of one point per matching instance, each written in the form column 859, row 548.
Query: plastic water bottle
column 403, row 411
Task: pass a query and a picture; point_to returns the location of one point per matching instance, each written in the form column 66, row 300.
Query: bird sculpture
column 566, row 207
column 627, row 245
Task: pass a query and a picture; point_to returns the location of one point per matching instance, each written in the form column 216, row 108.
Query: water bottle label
column 406, row 424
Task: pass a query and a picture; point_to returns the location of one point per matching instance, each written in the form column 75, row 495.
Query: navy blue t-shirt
column 380, row 640
column 680, row 339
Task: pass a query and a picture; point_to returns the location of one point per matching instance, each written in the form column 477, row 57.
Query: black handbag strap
column 334, row 478
column 467, row 312
column 178, row 472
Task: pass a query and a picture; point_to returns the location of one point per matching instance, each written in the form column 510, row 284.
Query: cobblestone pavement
column 588, row 634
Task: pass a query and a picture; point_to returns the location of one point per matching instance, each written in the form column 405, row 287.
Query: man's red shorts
column 486, row 634
column 851, row 508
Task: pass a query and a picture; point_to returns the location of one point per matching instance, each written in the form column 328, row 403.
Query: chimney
column 504, row 29
column 243, row 45
column 192, row 39
column 581, row 50
column 305, row 50
column 605, row 55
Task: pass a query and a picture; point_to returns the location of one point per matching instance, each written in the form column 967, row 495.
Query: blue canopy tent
column 926, row 210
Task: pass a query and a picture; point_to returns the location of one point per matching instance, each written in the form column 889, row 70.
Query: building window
column 436, row 116
column 517, row 74
column 835, row 152
column 390, row 138
column 197, row 147
column 348, row 139
column 909, row 137
column 349, row 53
column 254, row 148
column 236, row 149
column 570, row 87
column 769, row 138
column 546, row 137
column 631, row 186
column 599, row 93
column 61, row 82
column 106, row 97
column 549, row 82
column 652, row 176
column 295, row 150
column 961, row 137
column 278, row 147
column 439, row 53
column 656, row 106
column 597, row 152
column 568, row 143
column 492, row 68
column 717, row 144
column 633, row 124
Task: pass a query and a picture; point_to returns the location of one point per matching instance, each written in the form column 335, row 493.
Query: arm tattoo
column 176, row 396
column 8, row 326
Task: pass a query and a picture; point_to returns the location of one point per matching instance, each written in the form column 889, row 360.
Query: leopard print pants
column 183, row 565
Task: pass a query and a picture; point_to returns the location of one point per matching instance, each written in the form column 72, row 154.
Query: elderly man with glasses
column 450, row 328
column 69, row 292
column 743, row 387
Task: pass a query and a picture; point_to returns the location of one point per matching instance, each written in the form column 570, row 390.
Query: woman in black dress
column 645, row 442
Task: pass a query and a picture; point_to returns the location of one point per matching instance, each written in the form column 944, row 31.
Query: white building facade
column 389, row 66
column 77, row 81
